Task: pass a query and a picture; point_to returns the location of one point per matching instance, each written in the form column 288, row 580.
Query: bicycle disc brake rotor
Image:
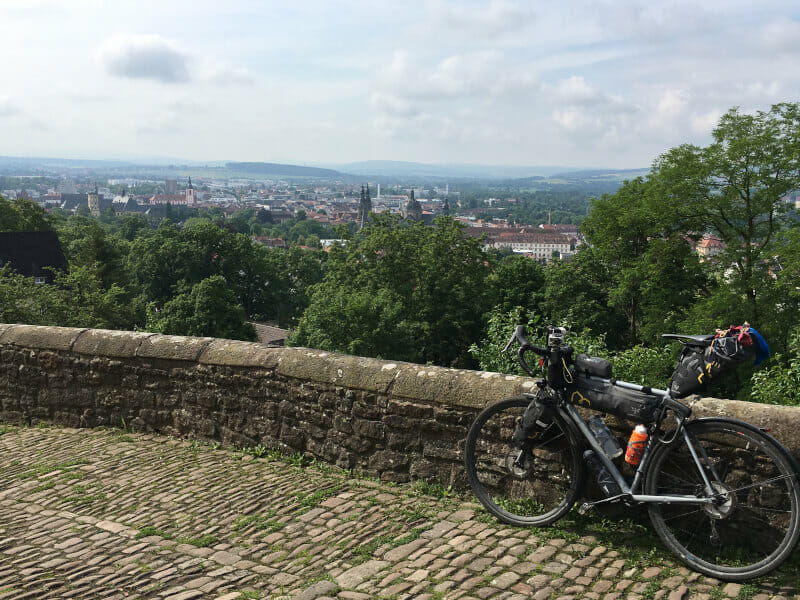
column 724, row 509
column 517, row 470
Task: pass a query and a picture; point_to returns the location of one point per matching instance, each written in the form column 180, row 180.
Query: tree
column 429, row 282
column 77, row 300
column 577, row 294
column 86, row 242
column 734, row 188
column 517, row 281
column 358, row 322
column 653, row 275
column 21, row 214
column 207, row 308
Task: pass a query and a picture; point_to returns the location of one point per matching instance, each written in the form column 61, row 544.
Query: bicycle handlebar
column 524, row 344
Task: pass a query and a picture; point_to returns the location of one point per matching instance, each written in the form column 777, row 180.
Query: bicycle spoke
column 535, row 486
column 752, row 525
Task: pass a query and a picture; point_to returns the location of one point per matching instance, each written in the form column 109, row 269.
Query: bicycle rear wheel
column 540, row 487
column 754, row 526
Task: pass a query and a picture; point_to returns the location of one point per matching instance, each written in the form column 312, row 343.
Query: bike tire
column 756, row 525
column 541, row 492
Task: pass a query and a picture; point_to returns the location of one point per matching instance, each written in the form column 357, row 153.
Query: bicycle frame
column 629, row 492
column 553, row 354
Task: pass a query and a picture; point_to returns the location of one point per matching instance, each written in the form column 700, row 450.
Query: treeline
column 194, row 279
column 530, row 207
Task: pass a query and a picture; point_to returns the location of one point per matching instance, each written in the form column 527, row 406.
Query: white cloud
column 702, row 124
column 222, row 73
column 574, row 89
column 145, row 57
column 7, row 107
column 780, row 35
column 495, row 18
column 393, row 106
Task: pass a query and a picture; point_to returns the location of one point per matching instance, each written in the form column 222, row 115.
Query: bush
column 780, row 383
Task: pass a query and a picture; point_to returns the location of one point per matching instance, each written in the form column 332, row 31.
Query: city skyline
column 590, row 84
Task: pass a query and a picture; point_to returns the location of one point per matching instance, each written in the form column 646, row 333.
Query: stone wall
column 392, row 420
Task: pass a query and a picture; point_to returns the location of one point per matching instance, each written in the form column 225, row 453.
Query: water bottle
column 607, row 441
column 606, row 482
column 636, row 445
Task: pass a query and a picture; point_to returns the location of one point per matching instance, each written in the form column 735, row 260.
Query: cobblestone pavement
column 104, row 514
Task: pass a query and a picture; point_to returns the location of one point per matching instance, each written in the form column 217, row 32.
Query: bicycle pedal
column 585, row 508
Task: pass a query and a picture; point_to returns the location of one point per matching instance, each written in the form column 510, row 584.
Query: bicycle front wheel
column 530, row 487
column 753, row 526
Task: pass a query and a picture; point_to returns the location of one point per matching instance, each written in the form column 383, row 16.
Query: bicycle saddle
column 701, row 340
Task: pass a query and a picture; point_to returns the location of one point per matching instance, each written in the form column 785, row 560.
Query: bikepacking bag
column 605, row 396
column 729, row 350
column 535, row 423
column 593, row 365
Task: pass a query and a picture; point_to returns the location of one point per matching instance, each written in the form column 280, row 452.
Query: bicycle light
column 555, row 335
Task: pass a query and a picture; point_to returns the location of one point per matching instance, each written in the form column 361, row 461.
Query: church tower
column 191, row 196
column 364, row 206
column 413, row 209
column 93, row 199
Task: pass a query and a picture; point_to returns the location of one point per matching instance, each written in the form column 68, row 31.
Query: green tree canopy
column 21, row 214
column 428, row 282
column 734, row 189
column 207, row 308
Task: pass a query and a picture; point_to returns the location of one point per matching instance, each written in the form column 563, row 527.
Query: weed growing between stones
column 435, row 489
column 204, row 541
column 41, row 470
column 149, row 530
column 311, row 499
column 262, row 522
column 45, row 486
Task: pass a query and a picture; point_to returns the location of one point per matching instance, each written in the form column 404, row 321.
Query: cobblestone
column 138, row 516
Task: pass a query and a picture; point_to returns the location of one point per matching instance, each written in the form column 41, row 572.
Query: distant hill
column 262, row 168
column 393, row 168
column 602, row 174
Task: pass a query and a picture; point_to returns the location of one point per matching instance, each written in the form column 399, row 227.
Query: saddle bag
column 729, row 350
column 605, row 396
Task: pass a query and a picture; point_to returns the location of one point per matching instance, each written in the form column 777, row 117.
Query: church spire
column 413, row 209
column 364, row 206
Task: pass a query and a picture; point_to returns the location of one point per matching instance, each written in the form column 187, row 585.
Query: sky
column 584, row 83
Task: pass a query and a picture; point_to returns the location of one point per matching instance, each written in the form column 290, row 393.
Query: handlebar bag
column 604, row 396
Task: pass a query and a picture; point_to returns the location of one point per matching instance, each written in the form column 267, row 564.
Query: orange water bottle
column 636, row 445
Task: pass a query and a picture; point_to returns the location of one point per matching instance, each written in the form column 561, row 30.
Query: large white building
column 540, row 246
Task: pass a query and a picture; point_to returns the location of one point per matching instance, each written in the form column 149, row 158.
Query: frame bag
column 604, row 396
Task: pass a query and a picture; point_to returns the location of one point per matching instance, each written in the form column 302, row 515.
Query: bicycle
column 722, row 495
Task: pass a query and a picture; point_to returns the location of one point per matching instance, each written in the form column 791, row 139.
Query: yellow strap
column 567, row 374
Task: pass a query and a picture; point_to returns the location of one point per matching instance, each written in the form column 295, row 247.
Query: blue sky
column 586, row 83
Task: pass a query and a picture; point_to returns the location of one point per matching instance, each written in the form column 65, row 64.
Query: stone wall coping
column 113, row 344
column 40, row 337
